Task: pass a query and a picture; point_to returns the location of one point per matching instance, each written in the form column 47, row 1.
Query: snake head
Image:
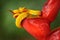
column 18, row 11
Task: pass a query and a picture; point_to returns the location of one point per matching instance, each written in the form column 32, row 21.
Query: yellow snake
column 22, row 13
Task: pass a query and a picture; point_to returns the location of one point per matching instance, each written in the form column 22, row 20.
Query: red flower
column 40, row 27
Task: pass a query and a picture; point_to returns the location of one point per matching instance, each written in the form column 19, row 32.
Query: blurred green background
column 8, row 30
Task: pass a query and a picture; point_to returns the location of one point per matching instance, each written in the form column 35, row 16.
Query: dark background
column 8, row 30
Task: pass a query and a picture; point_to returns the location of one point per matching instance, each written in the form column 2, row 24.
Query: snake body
column 22, row 13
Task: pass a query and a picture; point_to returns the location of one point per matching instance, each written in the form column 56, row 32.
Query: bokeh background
column 8, row 30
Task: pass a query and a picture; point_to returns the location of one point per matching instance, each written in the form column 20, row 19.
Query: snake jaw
column 15, row 15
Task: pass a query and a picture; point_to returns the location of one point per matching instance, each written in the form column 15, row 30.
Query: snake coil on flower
column 22, row 13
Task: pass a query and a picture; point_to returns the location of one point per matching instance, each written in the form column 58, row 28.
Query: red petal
column 37, row 27
column 55, row 34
